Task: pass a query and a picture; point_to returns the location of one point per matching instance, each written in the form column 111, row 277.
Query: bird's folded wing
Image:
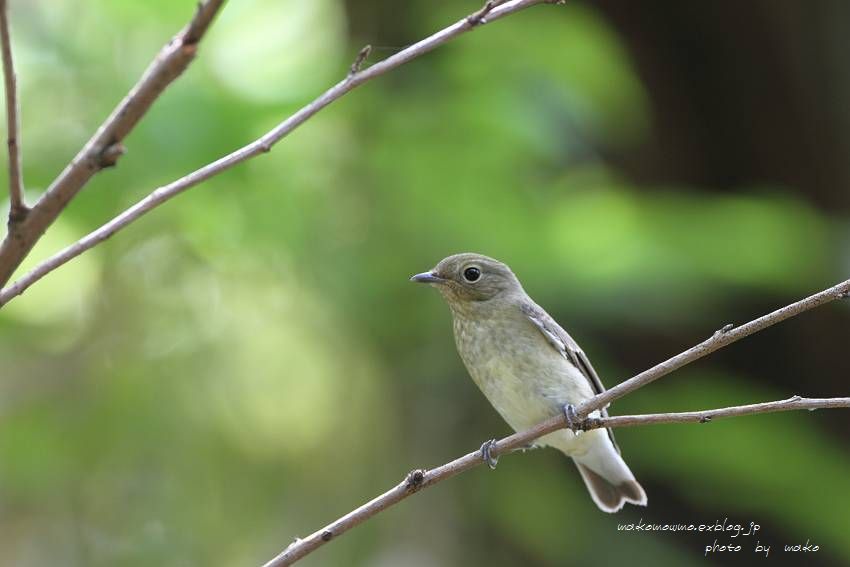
column 562, row 342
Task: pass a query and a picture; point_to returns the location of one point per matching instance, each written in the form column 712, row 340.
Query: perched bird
column 529, row 368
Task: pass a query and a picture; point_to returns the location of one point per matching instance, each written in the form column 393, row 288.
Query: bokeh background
column 249, row 361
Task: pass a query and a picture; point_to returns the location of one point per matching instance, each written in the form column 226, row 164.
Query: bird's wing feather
column 566, row 346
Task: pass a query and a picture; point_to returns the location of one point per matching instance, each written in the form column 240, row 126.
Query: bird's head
column 468, row 278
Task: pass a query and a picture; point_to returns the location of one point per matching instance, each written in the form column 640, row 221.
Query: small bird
column 529, row 369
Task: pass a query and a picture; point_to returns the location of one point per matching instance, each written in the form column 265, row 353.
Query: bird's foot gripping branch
column 524, row 439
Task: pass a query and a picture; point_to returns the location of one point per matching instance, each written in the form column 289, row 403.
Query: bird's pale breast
column 519, row 372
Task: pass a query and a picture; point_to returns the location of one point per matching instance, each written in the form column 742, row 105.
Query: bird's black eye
column 471, row 274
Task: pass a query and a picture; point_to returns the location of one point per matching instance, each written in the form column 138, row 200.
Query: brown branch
column 725, row 336
column 418, row 479
column 104, row 148
column 17, row 208
column 705, row 416
column 257, row 147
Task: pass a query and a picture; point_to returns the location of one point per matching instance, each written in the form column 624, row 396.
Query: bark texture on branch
column 724, row 336
column 257, row 147
column 419, row 479
column 105, row 147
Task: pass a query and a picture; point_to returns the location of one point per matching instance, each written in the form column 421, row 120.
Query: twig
column 720, row 339
column 17, row 209
column 103, row 149
column 705, row 416
column 419, row 479
column 259, row 146
column 358, row 62
column 479, row 16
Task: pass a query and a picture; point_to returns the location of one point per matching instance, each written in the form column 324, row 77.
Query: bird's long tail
column 607, row 476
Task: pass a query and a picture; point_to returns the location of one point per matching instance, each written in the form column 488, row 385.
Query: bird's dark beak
column 427, row 277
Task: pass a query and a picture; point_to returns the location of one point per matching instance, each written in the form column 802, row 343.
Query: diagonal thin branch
column 257, row 147
column 418, row 479
column 17, row 209
column 705, row 416
column 721, row 338
column 105, row 147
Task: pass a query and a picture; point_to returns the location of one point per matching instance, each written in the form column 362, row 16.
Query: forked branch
column 259, row 146
column 105, row 147
column 418, row 479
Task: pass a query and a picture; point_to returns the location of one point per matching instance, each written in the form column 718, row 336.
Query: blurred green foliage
column 249, row 362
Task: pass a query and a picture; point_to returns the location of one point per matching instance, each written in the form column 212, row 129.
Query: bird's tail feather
column 610, row 482
column 610, row 497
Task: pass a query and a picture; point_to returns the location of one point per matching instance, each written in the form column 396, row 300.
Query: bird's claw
column 573, row 421
column 488, row 458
